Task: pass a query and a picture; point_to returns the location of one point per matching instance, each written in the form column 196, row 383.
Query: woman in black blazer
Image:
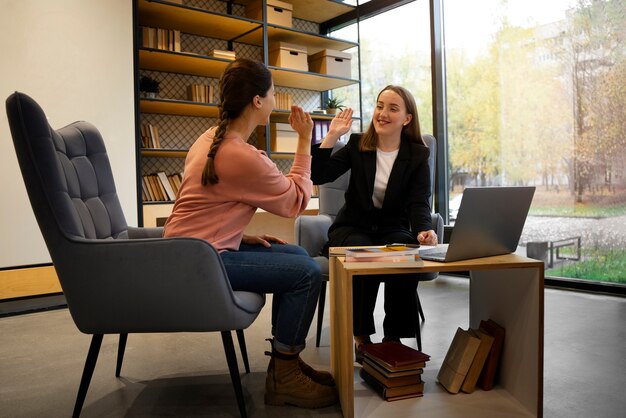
column 387, row 201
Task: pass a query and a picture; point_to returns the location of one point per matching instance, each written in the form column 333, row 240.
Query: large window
column 395, row 49
column 536, row 97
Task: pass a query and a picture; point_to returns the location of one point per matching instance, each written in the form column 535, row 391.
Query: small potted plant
column 332, row 104
column 149, row 87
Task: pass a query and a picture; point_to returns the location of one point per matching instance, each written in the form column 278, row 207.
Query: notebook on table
column 490, row 222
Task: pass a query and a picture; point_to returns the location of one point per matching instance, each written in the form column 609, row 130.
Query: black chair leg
column 90, row 365
column 419, row 306
column 418, row 331
column 242, row 347
column 320, row 313
column 231, row 359
column 120, row 354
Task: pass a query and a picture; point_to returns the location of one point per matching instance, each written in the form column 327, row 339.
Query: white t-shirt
column 384, row 163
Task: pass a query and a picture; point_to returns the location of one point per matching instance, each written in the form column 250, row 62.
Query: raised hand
column 340, row 125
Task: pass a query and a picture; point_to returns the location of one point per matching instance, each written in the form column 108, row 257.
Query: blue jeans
column 291, row 275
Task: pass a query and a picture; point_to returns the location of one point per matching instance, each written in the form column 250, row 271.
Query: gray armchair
column 116, row 279
column 311, row 233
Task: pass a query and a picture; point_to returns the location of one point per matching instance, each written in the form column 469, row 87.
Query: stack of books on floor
column 472, row 359
column 394, row 370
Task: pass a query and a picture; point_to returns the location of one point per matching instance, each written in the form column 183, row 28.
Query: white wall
column 75, row 58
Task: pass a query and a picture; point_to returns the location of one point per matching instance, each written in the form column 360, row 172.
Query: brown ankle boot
column 286, row 384
column 318, row 376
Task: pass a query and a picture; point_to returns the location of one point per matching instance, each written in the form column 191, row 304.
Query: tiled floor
column 42, row 356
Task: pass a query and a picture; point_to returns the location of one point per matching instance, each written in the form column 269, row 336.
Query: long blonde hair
column 411, row 131
column 243, row 79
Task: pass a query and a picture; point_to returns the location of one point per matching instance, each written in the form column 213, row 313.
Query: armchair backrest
column 332, row 195
column 67, row 174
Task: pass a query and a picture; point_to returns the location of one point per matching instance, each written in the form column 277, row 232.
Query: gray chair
column 117, row 279
column 311, row 233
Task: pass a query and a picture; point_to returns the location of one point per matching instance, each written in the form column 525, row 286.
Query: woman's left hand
column 427, row 237
column 264, row 240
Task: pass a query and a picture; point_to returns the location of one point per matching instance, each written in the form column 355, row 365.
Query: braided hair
column 243, row 79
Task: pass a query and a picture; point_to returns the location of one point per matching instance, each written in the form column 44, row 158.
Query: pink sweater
column 248, row 180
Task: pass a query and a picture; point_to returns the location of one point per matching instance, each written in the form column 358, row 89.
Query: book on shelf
column 392, row 393
column 458, row 360
column 409, row 377
column 157, row 38
column 221, row 53
column 283, row 101
column 145, row 195
column 161, row 190
column 165, row 182
column 202, row 93
column 154, row 189
column 320, row 129
column 150, row 136
column 486, row 340
column 391, row 252
column 175, row 181
column 395, row 356
column 488, row 375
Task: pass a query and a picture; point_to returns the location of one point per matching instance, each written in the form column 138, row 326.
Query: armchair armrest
column 437, row 226
column 139, row 233
column 311, row 232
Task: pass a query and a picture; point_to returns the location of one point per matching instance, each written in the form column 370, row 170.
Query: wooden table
column 507, row 288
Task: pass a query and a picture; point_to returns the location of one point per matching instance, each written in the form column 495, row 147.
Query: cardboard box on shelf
column 282, row 137
column 331, row 62
column 286, row 55
column 278, row 12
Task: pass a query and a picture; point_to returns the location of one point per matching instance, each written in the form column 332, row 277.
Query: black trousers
column 400, row 289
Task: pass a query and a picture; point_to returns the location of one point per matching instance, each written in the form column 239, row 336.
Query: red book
column 488, row 377
column 395, row 356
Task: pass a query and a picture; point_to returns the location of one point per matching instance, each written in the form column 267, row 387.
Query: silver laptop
column 490, row 222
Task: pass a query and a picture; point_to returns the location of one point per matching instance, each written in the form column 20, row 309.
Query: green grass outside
column 601, row 266
column 580, row 210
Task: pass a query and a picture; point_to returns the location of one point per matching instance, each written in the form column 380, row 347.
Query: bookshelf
column 219, row 24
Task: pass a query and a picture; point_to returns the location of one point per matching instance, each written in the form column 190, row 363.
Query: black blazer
column 407, row 198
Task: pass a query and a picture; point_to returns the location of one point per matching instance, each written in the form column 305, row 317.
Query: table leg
column 514, row 299
column 341, row 355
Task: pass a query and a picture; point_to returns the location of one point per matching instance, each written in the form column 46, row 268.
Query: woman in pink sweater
column 225, row 181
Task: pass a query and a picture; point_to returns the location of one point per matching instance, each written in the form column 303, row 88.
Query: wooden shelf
column 231, row 28
column 313, row 11
column 178, row 107
column 313, row 42
column 193, row 20
column 163, row 153
column 181, row 62
column 308, row 81
column 185, row 63
column 185, row 108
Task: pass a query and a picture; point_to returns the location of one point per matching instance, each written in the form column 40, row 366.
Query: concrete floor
column 42, row 356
